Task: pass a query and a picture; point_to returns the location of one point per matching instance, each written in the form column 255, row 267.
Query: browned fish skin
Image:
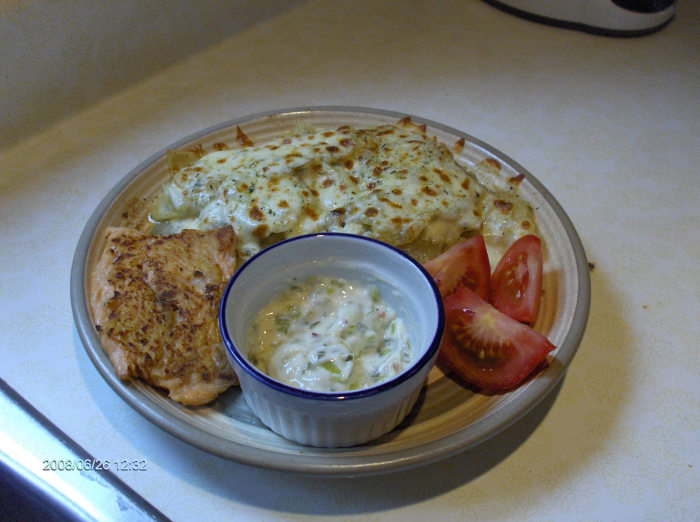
column 155, row 301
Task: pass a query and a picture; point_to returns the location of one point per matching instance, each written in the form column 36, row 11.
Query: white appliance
column 612, row 17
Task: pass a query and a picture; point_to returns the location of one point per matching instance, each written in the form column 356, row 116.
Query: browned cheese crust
column 155, row 301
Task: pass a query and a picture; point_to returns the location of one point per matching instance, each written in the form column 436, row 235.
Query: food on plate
column 392, row 182
column 486, row 347
column 516, row 283
column 480, row 345
column 466, row 263
column 329, row 334
column 155, row 301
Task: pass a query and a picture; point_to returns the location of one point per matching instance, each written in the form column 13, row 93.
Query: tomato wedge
column 466, row 263
column 516, row 283
column 487, row 348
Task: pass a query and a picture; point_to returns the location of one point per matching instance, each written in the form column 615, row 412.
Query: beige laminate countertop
column 610, row 126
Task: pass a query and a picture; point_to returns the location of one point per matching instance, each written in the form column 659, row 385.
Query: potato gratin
column 392, row 183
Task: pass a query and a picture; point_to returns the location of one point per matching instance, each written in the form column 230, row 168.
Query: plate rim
column 328, row 463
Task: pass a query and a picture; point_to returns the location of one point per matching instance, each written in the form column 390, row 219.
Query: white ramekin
column 333, row 419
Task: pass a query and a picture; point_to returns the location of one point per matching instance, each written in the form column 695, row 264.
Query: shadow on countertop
column 59, row 58
column 563, row 439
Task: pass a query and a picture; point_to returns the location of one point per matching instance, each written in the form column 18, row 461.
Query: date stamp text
column 93, row 465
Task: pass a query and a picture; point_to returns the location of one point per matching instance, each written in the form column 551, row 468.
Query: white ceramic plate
column 448, row 417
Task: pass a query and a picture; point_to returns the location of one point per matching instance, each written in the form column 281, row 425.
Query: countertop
column 609, row 125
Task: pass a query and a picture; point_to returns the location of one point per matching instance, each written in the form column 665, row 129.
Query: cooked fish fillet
column 155, row 301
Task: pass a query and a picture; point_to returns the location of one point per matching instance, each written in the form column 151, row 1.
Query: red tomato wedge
column 466, row 263
column 516, row 283
column 487, row 348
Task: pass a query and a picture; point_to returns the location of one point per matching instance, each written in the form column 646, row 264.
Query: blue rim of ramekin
column 328, row 396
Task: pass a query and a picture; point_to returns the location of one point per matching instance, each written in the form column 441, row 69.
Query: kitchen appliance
column 606, row 17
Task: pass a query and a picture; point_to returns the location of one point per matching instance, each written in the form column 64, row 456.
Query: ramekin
column 333, row 419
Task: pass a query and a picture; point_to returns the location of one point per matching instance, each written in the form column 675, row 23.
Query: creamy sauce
column 329, row 335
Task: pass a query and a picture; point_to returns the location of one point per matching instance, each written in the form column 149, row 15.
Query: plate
column 448, row 417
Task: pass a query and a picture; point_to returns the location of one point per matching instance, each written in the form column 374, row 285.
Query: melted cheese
column 391, row 182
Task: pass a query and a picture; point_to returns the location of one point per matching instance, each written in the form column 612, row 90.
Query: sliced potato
column 164, row 210
column 179, row 159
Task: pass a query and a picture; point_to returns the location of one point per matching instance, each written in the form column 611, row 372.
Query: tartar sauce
column 329, row 335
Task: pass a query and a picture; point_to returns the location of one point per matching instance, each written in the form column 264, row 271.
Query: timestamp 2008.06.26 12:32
column 94, row 465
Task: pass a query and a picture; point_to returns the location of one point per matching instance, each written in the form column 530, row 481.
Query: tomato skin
column 516, row 282
column 466, row 263
column 487, row 348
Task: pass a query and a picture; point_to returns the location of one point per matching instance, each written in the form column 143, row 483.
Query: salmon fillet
column 155, row 301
